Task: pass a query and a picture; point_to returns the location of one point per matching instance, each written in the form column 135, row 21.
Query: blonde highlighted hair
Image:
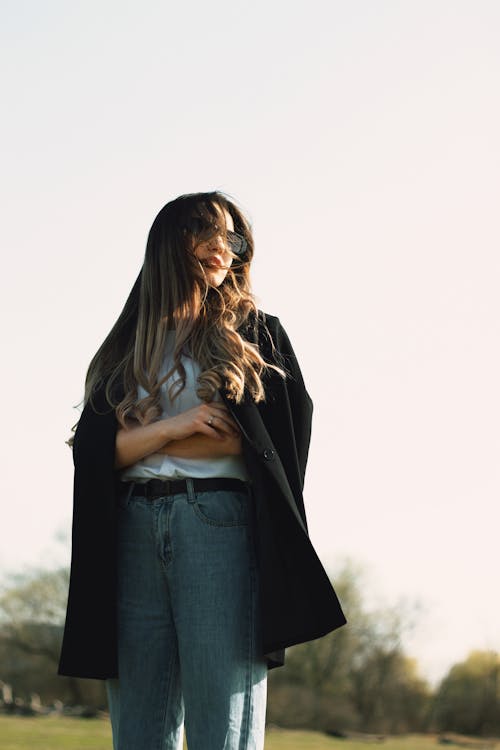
column 172, row 291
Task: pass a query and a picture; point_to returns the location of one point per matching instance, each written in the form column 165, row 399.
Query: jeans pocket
column 222, row 507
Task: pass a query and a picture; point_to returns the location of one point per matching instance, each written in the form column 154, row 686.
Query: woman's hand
column 195, row 421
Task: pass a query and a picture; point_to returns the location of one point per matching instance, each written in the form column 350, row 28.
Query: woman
column 192, row 569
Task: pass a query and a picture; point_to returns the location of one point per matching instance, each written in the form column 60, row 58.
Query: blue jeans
column 189, row 645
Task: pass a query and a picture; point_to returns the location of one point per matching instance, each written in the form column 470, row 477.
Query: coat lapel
column 249, row 419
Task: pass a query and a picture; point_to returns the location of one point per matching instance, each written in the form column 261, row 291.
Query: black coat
column 298, row 601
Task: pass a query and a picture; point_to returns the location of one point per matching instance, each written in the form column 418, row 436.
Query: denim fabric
column 188, row 624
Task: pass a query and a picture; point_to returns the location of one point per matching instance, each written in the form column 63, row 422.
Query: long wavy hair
column 172, row 292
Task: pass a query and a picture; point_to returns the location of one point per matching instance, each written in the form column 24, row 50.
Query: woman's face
column 214, row 255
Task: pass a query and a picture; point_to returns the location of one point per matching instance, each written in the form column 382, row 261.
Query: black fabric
column 161, row 488
column 298, row 601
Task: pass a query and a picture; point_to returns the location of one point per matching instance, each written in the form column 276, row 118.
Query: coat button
column 269, row 454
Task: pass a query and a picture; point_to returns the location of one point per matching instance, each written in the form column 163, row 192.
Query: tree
column 468, row 698
column 32, row 611
column 357, row 677
column 316, row 677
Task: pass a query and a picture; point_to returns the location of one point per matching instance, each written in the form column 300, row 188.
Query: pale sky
column 361, row 138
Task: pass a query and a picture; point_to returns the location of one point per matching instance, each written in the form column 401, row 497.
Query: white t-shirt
column 161, row 466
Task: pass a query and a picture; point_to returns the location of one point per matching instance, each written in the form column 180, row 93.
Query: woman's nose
column 218, row 243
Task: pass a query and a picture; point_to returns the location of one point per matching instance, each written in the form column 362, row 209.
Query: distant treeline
column 357, row 678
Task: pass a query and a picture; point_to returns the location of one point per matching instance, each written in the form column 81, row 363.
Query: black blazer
column 298, row 600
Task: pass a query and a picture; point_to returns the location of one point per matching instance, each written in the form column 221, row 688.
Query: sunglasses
column 237, row 243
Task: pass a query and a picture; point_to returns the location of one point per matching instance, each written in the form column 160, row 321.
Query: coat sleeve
column 94, row 440
column 301, row 404
column 88, row 646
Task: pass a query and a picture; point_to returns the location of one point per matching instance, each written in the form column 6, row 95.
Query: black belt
column 160, row 488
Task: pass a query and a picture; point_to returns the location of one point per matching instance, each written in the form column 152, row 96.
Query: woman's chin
column 214, row 277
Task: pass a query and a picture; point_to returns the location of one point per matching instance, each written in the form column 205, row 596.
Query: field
column 56, row 733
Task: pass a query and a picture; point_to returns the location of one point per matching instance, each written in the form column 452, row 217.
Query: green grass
column 61, row 733
column 294, row 740
column 54, row 733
